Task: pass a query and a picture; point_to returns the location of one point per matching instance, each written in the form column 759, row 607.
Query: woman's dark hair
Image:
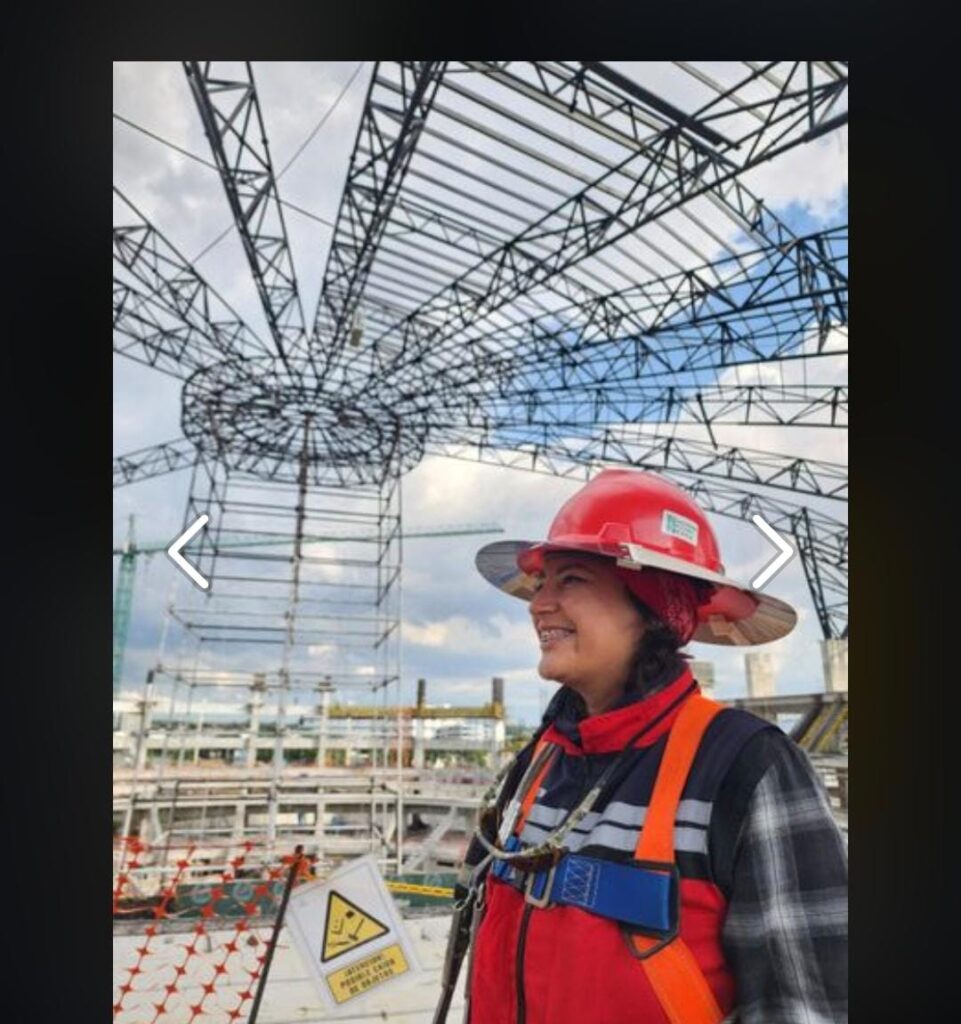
column 657, row 661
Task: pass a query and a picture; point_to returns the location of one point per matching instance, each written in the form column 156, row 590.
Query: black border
column 903, row 560
column 56, row 815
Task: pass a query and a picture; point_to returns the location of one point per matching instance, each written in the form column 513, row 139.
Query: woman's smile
column 551, row 636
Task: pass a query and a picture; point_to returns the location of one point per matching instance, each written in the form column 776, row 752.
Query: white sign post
column 350, row 935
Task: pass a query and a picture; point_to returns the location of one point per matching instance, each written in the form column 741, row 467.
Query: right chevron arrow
column 784, row 555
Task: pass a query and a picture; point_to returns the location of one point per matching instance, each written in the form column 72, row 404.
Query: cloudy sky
column 458, row 631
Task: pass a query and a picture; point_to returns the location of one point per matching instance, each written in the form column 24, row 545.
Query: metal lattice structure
column 546, row 265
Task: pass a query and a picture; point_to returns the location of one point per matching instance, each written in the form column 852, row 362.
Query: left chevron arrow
column 178, row 559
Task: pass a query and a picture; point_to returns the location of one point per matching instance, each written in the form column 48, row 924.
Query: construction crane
column 123, row 598
column 130, row 551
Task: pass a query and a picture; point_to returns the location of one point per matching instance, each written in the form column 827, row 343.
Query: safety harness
column 641, row 895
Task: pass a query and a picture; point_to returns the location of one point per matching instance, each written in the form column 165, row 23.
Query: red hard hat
column 645, row 521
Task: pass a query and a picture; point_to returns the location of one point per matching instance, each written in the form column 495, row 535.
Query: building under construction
column 547, row 267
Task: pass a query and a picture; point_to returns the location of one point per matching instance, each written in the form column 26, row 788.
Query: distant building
column 834, row 653
column 703, row 672
column 759, row 668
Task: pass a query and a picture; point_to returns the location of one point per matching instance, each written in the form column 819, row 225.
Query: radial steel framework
column 547, row 265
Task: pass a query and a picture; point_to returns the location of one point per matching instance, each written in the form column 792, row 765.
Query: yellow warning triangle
column 348, row 927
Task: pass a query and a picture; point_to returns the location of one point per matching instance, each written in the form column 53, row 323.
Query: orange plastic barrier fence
column 211, row 971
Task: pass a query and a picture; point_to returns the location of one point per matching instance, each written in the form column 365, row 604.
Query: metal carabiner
column 473, row 886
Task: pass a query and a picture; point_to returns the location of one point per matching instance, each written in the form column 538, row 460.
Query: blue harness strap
column 628, row 892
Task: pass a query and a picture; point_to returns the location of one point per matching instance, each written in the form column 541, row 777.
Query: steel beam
column 155, row 460
column 791, row 102
column 769, row 304
column 147, row 333
column 160, row 301
column 809, row 405
column 667, row 171
column 490, row 287
column 234, row 125
column 389, row 131
column 626, row 445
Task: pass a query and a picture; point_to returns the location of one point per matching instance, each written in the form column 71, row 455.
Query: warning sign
column 352, row 981
column 348, row 927
column 350, row 935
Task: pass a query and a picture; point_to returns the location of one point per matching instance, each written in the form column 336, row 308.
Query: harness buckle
column 529, row 882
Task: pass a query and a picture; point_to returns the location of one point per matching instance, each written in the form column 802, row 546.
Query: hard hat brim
column 771, row 619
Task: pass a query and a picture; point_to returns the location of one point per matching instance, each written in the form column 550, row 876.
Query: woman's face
column 587, row 626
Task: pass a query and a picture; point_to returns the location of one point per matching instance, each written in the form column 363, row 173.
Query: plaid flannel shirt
column 785, row 933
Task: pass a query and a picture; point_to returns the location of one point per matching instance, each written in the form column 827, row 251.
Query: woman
column 651, row 856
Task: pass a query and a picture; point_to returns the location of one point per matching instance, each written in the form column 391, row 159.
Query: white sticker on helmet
column 678, row 526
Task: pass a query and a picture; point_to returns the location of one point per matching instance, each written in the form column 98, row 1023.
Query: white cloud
column 465, row 637
column 814, row 177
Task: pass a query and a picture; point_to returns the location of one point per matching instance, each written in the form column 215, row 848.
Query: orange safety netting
column 166, row 974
